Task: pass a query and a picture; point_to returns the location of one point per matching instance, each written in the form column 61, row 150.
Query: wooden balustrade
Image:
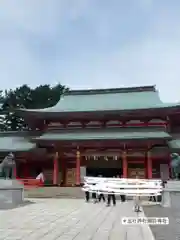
column 31, row 183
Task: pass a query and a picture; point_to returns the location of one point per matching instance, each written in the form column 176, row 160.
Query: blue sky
column 91, row 44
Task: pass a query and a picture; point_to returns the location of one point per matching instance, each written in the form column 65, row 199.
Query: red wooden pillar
column 55, row 169
column 63, row 179
column 146, row 166
column 124, row 165
column 78, row 164
column 149, row 165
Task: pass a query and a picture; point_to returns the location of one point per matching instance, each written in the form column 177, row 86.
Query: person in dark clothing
column 94, row 197
column 101, row 197
column 123, row 198
column 152, row 198
column 164, row 183
column 86, row 188
column 87, row 196
column 112, row 197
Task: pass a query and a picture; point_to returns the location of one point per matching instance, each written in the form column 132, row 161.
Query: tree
column 2, row 116
column 43, row 96
column 18, row 98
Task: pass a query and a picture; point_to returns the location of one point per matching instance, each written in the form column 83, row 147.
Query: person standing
column 111, row 196
column 94, row 195
column 152, row 198
column 86, row 188
column 137, row 199
column 101, row 197
column 40, row 177
column 87, row 196
column 123, row 197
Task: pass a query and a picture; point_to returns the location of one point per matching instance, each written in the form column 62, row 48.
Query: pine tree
column 2, row 115
column 43, row 96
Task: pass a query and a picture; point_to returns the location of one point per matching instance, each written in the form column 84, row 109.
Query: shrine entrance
column 104, row 172
column 136, row 169
column 106, row 166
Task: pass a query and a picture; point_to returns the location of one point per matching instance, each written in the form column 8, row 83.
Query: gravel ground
column 165, row 232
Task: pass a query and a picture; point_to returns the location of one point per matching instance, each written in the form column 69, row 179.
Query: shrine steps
column 54, row 192
column 57, row 192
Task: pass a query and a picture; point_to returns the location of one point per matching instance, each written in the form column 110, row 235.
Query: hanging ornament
column 116, row 158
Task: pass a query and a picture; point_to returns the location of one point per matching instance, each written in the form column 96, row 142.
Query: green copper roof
column 103, row 135
column 15, row 144
column 108, row 100
column 174, row 144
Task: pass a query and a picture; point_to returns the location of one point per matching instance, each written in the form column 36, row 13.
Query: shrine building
column 108, row 132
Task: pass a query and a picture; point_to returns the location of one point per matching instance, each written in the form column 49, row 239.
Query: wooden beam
column 97, row 116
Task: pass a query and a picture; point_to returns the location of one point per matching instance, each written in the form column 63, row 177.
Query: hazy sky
column 91, row 44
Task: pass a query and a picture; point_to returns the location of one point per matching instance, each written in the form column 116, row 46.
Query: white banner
column 129, row 187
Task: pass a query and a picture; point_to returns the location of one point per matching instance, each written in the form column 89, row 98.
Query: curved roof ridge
column 111, row 90
column 114, row 99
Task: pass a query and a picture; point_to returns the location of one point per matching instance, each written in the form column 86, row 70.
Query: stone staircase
column 58, row 192
column 54, row 192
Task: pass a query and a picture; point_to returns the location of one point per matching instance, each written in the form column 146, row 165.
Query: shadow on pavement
column 10, row 206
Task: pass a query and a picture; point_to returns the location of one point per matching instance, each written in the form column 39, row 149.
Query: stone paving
column 165, row 232
column 69, row 219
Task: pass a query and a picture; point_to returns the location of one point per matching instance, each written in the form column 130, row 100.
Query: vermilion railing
column 31, row 183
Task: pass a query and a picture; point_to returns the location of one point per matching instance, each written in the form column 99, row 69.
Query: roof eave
column 90, row 140
column 42, row 113
column 17, row 150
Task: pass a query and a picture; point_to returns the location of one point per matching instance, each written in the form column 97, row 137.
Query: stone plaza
column 71, row 219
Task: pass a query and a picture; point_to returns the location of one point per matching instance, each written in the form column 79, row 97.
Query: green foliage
column 43, row 96
column 2, row 116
